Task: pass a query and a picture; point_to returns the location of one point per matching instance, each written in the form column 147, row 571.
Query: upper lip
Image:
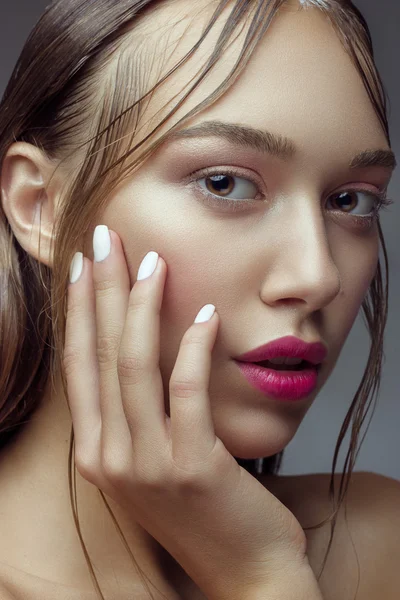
column 288, row 346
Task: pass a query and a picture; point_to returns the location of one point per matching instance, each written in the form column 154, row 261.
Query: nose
column 301, row 269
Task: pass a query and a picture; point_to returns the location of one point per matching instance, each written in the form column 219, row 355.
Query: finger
column 138, row 366
column 79, row 361
column 111, row 287
column 192, row 428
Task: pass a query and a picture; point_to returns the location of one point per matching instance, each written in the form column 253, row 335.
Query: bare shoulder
column 364, row 558
column 376, row 513
column 373, row 526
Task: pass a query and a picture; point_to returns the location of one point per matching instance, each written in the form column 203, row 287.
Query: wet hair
column 64, row 96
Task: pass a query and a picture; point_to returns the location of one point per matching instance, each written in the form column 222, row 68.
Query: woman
column 262, row 203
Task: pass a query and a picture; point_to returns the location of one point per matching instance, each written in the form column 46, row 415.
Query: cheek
column 193, row 282
column 189, row 286
column 160, row 221
column 356, row 275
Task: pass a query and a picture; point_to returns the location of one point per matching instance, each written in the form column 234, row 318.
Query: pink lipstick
column 288, row 368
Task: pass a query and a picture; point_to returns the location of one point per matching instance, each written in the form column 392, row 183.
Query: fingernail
column 148, row 265
column 76, row 268
column 101, row 243
column 205, row 314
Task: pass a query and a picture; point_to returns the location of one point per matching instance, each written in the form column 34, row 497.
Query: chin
column 254, row 448
column 249, row 437
column 253, row 453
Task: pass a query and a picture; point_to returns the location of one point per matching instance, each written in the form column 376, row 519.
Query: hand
column 173, row 474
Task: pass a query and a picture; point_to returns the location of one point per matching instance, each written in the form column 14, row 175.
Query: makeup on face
column 285, row 369
column 286, row 385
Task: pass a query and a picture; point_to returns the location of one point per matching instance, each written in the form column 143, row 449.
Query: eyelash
column 236, row 205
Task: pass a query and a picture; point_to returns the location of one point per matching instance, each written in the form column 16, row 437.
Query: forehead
column 299, row 82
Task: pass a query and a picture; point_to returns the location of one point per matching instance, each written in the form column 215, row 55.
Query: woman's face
column 291, row 260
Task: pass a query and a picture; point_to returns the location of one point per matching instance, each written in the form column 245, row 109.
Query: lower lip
column 282, row 385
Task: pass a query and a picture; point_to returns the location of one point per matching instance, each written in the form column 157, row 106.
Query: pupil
column 220, row 183
column 350, row 203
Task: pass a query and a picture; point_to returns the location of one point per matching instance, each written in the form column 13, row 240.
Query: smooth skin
column 172, row 472
column 292, row 262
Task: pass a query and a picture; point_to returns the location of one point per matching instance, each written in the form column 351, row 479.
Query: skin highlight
column 285, row 265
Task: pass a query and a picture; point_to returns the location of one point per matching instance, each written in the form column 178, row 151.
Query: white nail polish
column 148, row 265
column 205, row 314
column 101, row 243
column 76, row 268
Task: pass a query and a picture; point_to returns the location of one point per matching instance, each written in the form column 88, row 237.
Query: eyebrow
column 274, row 144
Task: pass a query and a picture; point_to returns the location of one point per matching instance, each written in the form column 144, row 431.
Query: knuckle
column 75, row 310
column 107, row 347
column 86, row 466
column 132, row 367
column 192, row 338
column 185, row 387
column 72, row 359
column 104, row 287
column 138, row 300
column 114, row 469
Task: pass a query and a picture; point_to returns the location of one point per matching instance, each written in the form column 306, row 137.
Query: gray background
column 311, row 450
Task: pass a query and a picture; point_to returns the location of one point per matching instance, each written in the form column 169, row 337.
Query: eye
column 219, row 184
column 348, row 201
column 226, row 184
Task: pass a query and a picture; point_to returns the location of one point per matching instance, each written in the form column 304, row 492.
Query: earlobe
column 27, row 201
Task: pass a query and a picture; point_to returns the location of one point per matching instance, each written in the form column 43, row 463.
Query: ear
column 25, row 192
